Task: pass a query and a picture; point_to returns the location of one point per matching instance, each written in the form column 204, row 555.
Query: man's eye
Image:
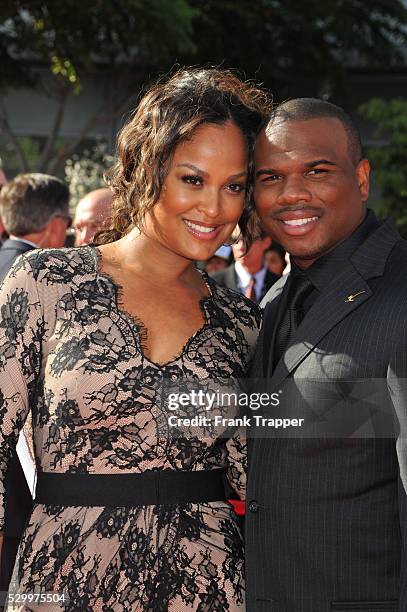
column 192, row 179
column 317, row 171
column 237, row 187
column 271, row 178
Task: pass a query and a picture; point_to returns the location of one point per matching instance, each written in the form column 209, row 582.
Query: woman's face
column 203, row 194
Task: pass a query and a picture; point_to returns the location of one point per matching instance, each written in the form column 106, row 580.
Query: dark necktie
column 299, row 290
column 250, row 289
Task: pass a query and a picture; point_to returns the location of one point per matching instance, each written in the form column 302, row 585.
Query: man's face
column 91, row 214
column 3, row 181
column 254, row 256
column 309, row 194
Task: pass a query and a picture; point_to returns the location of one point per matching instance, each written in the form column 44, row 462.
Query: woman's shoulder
column 57, row 266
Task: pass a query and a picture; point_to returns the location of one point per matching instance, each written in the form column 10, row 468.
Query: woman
column 126, row 517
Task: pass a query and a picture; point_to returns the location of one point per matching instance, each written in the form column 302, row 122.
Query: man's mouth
column 295, row 223
column 298, row 222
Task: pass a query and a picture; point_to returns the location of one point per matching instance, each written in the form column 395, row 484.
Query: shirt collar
column 243, row 279
column 324, row 268
column 244, row 276
column 25, row 242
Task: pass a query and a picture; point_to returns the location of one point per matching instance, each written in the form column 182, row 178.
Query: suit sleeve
column 21, row 332
column 397, row 385
column 237, row 445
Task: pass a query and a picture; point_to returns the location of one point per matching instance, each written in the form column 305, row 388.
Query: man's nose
column 294, row 191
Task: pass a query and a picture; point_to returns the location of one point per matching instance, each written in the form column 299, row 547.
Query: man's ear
column 363, row 178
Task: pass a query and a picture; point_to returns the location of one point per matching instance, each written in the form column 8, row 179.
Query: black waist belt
column 145, row 489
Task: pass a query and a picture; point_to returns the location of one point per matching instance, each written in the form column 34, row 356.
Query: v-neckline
column 135, row 321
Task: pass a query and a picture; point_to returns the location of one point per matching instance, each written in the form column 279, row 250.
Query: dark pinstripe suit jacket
column 327, row 519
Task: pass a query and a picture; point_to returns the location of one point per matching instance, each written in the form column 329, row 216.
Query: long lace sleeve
column 237, row 463
column 237, row 445
column 21, row 332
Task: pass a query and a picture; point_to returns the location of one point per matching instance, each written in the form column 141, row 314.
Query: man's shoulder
column 9, row 252
column 56, row 266
column 400, row 248
column 225, row 276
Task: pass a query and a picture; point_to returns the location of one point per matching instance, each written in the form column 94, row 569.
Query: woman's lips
column 202, row 231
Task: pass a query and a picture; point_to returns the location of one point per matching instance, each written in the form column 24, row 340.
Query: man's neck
column 251, row 269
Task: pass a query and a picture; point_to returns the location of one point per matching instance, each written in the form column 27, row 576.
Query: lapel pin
column 352, row 296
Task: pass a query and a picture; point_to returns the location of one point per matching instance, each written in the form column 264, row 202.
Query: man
column 248, row 274
column 91, row 213
column 219, row 260
column 3, row 181
column 35, row 213
column 274, row 260
column 327, row 519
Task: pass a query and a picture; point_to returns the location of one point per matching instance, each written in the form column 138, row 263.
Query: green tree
column 300, row 47
column 121, row 42
column 390, row 159
column 295, row 47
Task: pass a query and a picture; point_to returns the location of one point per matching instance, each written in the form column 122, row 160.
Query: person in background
column 35, row 213
column 90, row 215
column 3, row 181
column 274, row 259
column 220, row 260
column 247, row 274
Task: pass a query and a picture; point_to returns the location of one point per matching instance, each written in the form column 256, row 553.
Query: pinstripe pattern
column 327, row 529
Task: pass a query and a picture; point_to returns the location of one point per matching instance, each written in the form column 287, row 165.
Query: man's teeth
column 296, row 222
column 199, row 228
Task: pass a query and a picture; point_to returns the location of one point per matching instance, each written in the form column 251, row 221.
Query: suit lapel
column 330, row 308
column 333, row 305
column 231, row 278
column 269, row 280
column 270, row 305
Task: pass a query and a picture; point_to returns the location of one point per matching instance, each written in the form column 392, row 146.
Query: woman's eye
column 237, row 187
column 192, row 179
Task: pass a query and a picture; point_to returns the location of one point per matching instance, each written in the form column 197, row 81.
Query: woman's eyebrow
column 192, row 167
column 203, row 173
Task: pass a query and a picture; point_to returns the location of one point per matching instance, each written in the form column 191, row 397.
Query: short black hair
column 304, row 109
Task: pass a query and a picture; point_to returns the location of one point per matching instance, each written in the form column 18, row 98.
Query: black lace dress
column 74, row 358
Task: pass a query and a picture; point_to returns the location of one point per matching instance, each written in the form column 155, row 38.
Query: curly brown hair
column 169, row 113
